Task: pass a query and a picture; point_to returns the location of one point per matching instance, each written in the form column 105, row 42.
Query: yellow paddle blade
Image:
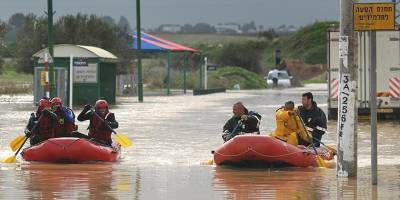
column 330, row 164
column 11, row 159
column 334, row 151
column 123, row 140
column 321, row 162
column 208, row 162
column 17, row 142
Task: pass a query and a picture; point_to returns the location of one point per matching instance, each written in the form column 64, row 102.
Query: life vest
column 288, row 125
column 303, row 134
column 64, row 125
column 285, row 124
column 98, row 130
column 45, row 128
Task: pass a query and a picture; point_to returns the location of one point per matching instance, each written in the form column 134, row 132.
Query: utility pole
column 372, row 106
column 347, row 112
column 50, row 13
column 205, row 73
column 395, row 6
column 139, row 52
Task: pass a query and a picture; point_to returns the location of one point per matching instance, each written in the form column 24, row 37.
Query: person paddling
column 65, row 119
column 242, row 122
column 101, row 120
column 286, row 127
column 313, row 117
column 45, row 120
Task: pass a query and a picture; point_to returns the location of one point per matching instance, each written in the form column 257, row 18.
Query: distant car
column 278, row 78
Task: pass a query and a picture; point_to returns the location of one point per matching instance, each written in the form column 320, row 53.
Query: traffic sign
column 374, row 16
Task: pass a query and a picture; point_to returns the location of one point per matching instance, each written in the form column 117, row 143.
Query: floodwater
column 173, row 135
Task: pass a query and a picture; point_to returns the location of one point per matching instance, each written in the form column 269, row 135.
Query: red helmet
column 101, row 104
column 43, row 103
column 56, row 101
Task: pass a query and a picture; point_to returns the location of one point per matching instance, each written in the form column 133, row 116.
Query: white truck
column 388, row 73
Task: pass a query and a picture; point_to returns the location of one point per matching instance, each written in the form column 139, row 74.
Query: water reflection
column 61, row 181
column 172, row 136
column 289, row 183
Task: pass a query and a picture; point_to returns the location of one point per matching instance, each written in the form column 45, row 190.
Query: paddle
column 13, row 159
column 231, row 135
column 123, row 140
column 17, row 142
column 320, row 161
column 334, row 151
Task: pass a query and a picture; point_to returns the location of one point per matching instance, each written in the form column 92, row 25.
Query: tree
column 249, row 27
column 269, row 34
column 187, row 28
column 3, row 30
column 15, row 23
column 2, row 47
column 17, row 20
column 246, row 55
column 203, row 28
column 30, row 38
column 124, row 25
column 79, row 29
column 109, row 20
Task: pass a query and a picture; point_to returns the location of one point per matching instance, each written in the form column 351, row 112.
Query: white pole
column 372, row 101
column 71, row 79
column 46, row 68
column 347, row 109
column 205, row 72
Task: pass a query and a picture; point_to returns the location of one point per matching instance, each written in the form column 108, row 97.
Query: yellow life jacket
column 289, row 127
column 301, row 131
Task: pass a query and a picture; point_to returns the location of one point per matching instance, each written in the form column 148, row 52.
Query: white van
column 278, row 78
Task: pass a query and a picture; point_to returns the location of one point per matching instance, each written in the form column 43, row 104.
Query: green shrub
column 229, row 76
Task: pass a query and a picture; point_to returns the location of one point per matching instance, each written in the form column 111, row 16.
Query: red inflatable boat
column 262, row 149
column 71, row 150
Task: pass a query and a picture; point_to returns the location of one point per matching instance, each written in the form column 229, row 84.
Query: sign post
column 139, row 52
column 373, row 17
column 52, row 83
column 46, row 72
column 205, row 73
column 347, row 108
column 71, row 80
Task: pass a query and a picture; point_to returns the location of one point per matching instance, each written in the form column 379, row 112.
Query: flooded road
column 173, row 135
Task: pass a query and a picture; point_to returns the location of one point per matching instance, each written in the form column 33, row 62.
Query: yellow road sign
column 42, row 78
column 374, row 16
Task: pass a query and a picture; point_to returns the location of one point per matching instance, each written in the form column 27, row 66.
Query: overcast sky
column 270, row 13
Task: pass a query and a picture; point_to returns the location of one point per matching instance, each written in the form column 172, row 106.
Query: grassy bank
column 304, row 51
column 12, row 82
column 226, row 77
column 210, row 39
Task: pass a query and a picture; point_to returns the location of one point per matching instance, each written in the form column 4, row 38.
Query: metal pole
column 139, row 52
column 201, row 76
column 168, row 73
column 46, row 71
column 365, row 69
column 347, row 111
column 360, row 71
column 372, row 93
column 185, row 62
column 205, row 73
column 71, row 80
column 328, row 58
column 52, row 85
